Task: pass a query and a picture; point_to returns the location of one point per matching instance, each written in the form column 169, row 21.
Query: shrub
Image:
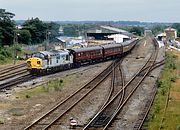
column 158, row 83
column 2, row 58
column 163, row 91
column 28, row 96
column 173, row 79
column 178, row 127
column 61, row 81
column 2, row 120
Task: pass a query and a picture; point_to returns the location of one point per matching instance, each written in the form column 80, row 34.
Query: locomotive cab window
column 58, row 59
column 67, row 57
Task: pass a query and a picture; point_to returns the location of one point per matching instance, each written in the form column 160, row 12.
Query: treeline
column 160, row 28
column 33, row 30
column 76, row 29
column 177, row 26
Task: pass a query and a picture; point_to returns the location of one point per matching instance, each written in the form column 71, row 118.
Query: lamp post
column 47, row 39
column 14, row 42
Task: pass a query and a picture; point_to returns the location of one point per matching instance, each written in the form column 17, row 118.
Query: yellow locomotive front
column 34, row 64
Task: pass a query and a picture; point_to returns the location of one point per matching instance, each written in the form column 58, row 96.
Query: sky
column 95, row 10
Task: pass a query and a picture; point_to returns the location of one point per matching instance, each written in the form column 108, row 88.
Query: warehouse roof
column 109, row 30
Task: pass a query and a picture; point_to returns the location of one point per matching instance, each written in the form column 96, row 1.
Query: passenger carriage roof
column 87, row 49
column 112, row 45
column 128, row 42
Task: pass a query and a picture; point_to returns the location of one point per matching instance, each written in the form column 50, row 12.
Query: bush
column 158, row 83
column 61, row 81
column 2, row 120
column 2, row 58
column 178, row 127
column 163, row 91
column 27, row 96
column 173, row 79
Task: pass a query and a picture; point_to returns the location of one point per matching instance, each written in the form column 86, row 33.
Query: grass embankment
column 165, row 112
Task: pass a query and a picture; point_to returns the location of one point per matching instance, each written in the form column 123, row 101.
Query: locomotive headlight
column 38, row 62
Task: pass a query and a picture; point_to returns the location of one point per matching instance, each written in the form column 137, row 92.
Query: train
column 44, row 62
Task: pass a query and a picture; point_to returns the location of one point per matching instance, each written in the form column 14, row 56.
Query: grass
column 169, row 118
column 51, row 86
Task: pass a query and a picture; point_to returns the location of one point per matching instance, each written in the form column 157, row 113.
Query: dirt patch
column 175, row 95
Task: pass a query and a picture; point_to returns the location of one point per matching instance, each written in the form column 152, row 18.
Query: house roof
column 170, row 29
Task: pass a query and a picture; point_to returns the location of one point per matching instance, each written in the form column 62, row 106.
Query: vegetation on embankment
column 165, row 112
column 7, row 54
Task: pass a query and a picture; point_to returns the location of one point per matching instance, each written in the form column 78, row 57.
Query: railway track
column 117, row 82
column 15, row 81
column 105, row 116
column 13, row 74
column 149, row 102
column 56, row 113
column 102, row 119
column 9, row 69
column 120, row 95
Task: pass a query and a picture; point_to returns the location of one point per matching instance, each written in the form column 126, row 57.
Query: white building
column 119, row 38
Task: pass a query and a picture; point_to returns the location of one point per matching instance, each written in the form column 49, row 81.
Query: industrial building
column 108, row 33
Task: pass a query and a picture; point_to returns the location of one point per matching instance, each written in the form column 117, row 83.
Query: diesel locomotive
column 58, row 60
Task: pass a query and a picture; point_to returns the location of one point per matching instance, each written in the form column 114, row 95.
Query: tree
column 7, row 27
column 37, row 29
column 71, row 30
column 24, row 36
column 177, row 26
column 137, row 30
column 53, row 28
column 158, row 29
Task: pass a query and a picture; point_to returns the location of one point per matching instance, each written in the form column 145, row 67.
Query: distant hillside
column 19, row 22
column 120, row 23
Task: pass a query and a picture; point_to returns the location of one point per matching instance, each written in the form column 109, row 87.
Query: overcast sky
column 62, row 10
